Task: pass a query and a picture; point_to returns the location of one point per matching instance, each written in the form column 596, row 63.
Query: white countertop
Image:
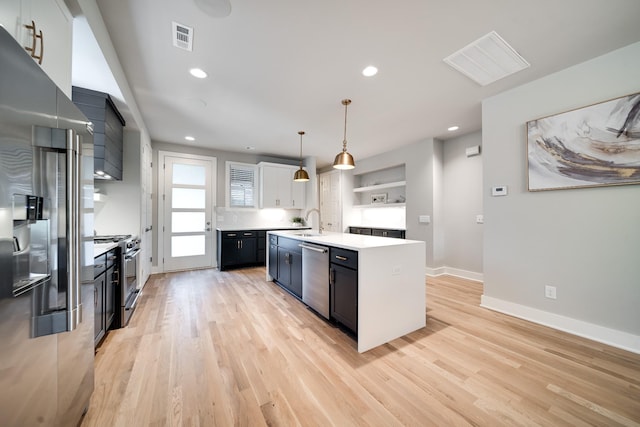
column 354, row 242
column 277, row 227
column 103, row 248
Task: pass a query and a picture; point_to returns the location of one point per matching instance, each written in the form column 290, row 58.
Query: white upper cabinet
column 44, row 28
column 277, row 188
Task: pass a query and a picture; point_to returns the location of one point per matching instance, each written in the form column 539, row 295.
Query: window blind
column 242, row 185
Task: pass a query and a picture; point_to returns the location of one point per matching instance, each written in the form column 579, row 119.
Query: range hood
column 108, row 128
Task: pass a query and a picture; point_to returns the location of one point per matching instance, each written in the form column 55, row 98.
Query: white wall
column 586, row 242
column 462, row 202
column 120, row 213
column 423, row 170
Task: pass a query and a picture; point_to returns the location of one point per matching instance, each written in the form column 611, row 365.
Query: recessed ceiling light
column 198, row 73
column 189, row 138
column 452, row 128
column 370, row 71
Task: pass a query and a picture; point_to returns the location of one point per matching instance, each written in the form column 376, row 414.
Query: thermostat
column 499, row 191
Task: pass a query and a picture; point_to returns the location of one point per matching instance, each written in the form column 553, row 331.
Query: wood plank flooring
column 210, row 348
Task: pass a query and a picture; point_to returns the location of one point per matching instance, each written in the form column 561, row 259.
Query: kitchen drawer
column 290, row 244
column 344, row 257
column 238, row 234
column 112, row 257
column 399, row 234
column 360, row 230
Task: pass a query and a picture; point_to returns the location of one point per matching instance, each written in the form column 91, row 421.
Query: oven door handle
column 132, row 255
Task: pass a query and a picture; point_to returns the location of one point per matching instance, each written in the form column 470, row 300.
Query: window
column 241, row 185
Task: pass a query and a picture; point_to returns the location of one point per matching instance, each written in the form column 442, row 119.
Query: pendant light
column 301, row 175
column 344, row 160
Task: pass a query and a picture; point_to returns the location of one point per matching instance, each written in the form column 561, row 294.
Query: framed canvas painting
column 597, row 145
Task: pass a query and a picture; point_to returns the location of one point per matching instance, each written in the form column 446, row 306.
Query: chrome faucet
column 306, row 218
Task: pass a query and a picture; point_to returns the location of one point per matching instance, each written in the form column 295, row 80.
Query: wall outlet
column 550, row 292
column 479, row 219
column 396, row 270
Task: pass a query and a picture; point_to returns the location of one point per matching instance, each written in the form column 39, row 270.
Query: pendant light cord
column 346, row 103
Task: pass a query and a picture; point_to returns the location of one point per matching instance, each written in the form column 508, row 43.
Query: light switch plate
column 479, row 219
column 424, row 219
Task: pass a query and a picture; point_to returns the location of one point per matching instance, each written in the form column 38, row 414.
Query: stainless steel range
column 128, row 290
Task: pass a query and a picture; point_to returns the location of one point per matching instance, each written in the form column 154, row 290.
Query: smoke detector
column 182, row 36
column 487, row 59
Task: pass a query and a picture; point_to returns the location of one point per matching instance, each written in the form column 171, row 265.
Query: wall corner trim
column 612, row 337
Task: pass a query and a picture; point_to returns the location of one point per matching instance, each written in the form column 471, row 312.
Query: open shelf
column 380, row 205
column 380, row 186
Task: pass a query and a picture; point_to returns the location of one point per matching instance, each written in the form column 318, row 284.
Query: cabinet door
column 284, row 269
column 344, row 296
column 229, row 253
column 53, row 18
column 273, row 261
column 109, row 297
column 248, row 253
column 270, row 191
column 295, row 282
column 98, row 307
column 298, row 200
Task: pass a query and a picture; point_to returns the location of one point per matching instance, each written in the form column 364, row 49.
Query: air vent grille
column 182, row 36
column 487, row 59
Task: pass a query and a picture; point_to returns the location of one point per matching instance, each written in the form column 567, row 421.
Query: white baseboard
column 612, row 337
column 451, row 271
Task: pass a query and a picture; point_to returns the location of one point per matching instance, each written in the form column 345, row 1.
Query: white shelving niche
column 380, row 188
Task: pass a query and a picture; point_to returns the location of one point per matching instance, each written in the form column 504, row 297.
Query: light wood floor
column 210, row 348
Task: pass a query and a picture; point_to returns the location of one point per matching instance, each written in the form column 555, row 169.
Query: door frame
column 162, row 155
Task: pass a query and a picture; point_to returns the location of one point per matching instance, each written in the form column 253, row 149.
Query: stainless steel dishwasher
column 315, row 277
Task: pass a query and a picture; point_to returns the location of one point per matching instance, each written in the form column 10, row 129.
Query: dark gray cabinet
column 237, row 249
column 106, row 273
column 289, row 265
column 343, row 291
column 273, row 256
column 108, row 130
column 98, row 305
column 382, row 232
column 112, row 276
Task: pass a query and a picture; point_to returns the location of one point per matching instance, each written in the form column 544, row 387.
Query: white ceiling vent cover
column 487, row 59
column 182, row 36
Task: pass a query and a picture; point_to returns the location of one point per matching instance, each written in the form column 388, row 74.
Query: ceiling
column 280, row 66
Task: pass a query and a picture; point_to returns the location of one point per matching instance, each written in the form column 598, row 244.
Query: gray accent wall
column 585, row 242
column 462, row 202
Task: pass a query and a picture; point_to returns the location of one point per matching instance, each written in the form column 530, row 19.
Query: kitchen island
column 391, row 298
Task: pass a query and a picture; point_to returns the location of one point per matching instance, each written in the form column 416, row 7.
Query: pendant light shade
column 344, row 160
column 301, row 175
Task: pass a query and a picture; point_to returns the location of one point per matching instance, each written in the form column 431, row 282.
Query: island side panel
column 391, row 293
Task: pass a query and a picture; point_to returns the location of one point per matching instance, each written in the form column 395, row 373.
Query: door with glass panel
column 188, row 212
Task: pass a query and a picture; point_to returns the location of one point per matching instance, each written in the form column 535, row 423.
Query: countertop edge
column 260, row 228
column 356, row 242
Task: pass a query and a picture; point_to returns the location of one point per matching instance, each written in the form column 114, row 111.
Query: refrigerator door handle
column 73, row 230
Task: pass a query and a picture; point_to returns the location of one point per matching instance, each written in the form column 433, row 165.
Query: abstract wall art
column 592, row 146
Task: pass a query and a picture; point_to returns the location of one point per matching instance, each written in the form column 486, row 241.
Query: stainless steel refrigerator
column 46, row 248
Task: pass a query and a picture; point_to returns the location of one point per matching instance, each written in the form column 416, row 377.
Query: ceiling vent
column 182, row 36
column 487, row 59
